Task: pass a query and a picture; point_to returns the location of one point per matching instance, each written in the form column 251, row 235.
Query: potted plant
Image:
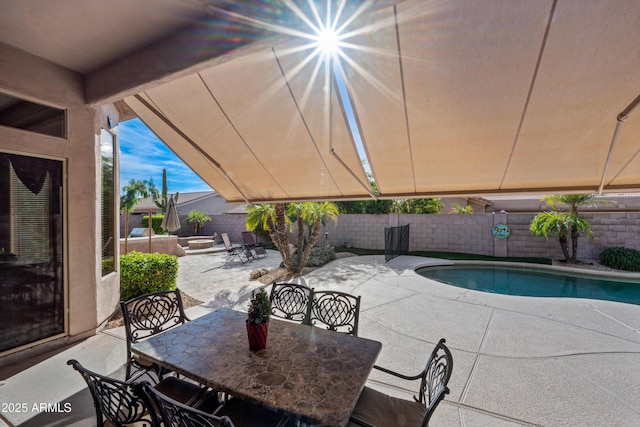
column 258, row 319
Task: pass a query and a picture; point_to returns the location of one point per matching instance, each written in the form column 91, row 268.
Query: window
column 107, row 197
column 20, row 114
column 29, row 219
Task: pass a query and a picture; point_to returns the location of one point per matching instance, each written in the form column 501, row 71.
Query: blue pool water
column 533, row 283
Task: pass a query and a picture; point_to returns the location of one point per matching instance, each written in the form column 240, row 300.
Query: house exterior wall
column 213, row 205
column 90, row 298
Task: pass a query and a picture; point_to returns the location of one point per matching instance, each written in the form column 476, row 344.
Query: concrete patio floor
column 518, row 361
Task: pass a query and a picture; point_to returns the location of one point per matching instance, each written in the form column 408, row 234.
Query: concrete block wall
column 521, row 243
column 233, row 225
column 472, row 234
column 609, row 229
column 361, row 230
column 451, row 233
column 457, row 233
column 616, row 229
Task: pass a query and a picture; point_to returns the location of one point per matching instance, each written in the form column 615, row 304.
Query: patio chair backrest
column 115, row 401
column 247, row 239
column 171, row 413
column 291, row 301
column 337, row 311
column 376, row 408
column 435, row 378
column 227, row 242
column 150, row 314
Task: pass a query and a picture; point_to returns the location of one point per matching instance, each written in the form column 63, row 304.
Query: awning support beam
column 195, row 146
column 621, row 118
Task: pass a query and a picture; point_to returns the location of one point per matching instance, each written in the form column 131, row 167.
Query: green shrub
column 142, row 273
column 108, row 266
column 318, row 256
column 156, row 223
column 621, row 258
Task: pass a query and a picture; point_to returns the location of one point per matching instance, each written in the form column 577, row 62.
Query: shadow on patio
column 517, row 360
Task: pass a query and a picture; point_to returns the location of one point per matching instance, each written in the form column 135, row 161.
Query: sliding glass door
column 31, row 254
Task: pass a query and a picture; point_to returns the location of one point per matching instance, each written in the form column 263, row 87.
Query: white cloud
column 144, row 156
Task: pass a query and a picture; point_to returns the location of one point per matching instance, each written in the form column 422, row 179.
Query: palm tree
column 565, row 221
column 197, row 219
column 314, row 215
column 271, row 218
column 552, row 223
column 576, row 222
column 278, row 218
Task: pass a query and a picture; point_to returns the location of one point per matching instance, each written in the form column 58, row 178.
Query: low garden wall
column 161, row 244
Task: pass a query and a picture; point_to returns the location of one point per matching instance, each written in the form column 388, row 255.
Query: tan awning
column 455, row 97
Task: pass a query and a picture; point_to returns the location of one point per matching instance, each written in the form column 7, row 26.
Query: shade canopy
column 448, row 98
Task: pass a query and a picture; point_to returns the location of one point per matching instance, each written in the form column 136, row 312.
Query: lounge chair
column 239, row 252
column 256, row 248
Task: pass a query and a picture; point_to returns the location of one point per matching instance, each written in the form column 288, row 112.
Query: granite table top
column 309, row 373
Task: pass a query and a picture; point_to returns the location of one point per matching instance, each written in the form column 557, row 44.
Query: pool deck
column 518, row 361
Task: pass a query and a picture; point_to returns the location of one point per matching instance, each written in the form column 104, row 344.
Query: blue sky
column 143, row 155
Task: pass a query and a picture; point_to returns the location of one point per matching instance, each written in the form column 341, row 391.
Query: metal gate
column 396, row 241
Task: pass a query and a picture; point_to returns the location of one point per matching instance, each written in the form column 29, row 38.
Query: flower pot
column 257, row 334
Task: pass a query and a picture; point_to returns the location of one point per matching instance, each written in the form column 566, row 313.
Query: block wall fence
column 456, row 233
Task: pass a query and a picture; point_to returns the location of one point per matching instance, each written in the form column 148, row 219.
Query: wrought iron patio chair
column 172, row 413
column 375, row 408
column 148, row 315
column 291, row 301
column 233, row 252
column 116, row 402
column 337, row 311
column 255, row 248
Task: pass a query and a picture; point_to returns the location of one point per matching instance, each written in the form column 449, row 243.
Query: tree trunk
column 574, row 244
column 564, row 246
column 298, row 265
column 282, row 236
column 313, row 239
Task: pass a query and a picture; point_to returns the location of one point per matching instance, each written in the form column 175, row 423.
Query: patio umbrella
column 171, row 222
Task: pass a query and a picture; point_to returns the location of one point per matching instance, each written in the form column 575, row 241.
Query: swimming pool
column 533, row 283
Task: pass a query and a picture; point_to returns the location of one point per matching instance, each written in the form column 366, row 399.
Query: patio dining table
column 307, row 373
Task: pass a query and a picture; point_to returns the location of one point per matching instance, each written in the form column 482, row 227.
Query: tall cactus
column 163, row 202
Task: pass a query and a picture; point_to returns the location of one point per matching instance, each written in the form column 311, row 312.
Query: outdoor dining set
column 201, row 372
